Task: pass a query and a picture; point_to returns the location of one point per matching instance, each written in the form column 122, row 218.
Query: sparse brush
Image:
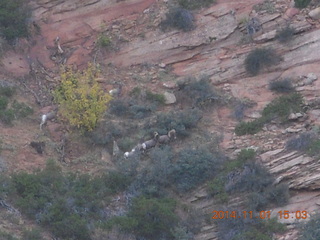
column 285, row 34
column 179, row 18
column 259, row 58
column 195, row 4
column 301, row 3
column 281, row 86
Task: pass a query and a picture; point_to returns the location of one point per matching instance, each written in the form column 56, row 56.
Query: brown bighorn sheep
column 165, row 139
column 46, row 117
column 151, row 143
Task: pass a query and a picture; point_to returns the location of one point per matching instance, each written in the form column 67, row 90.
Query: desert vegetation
column 284, row 35
column 310, row 230
column 13, row 19
column 301, row 3
column 82, row 101
column 281, row 85
column 260, row 58
column 11, row 109
column 178, row 18
column 279, row 108
column 63, row 203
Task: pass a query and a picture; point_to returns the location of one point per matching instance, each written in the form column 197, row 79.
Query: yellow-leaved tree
column 81, row 100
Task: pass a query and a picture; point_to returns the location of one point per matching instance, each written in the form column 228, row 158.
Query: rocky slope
column 217, row 48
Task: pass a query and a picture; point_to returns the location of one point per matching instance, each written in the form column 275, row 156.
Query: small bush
column 194, row 4
column 310, row 230
column 246, row 155
column 33, row 234
column 181, row 121
column 21, row 110
column 253, row 178
column 81, row 99
column 314, row 148
column 7, row 91
column 216, row 189
column 179, row 18
column 7, row 116
column 155, row 97
column 3, row 103
column 242, row 228
column 140, row 111
column 150, row 218
column 281, row 86
column 285, row 35
column 193, row 167
column 196, row 92
column 300, row 143
column 7, row 236
column 13, row 19
column 259, row 58
column 104, row 41
column 301, row 3
column 119, row 108
column 281, row 107
column 239, row 110
column 252, row 127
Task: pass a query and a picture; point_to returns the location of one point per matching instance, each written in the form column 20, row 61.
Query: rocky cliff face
column 217, row 48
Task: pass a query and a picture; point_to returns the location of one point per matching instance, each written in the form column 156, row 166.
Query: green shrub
column 104, row 41
column 253, row 178
column 3, row 103
column 194, row 4
column 245, row 155
column 21, row 110
column 242, row 228
column 196, row 92
column 314, row 148
column 285, row 35
column 310, row 230
column 7, row 236
column 277, row 195
column 33, row 234
column 181, row 121
column 179, row 18
column 281, row 107
column 281, row 86
column 216, row 189
column 67, row 204
column 301, row 3
column 193, row 167
column 118, row 107
column 150, row 218
column 7, row 91
column 259, row 58
column 300, row 143
column 155, row 97
column 252, row 127
column 7, row 116
column 13, row 19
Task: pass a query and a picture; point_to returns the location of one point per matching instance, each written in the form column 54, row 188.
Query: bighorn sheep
column 165, row 139
column 151, row 143
column 130, row 154
column 116, row 91
column 46, row 117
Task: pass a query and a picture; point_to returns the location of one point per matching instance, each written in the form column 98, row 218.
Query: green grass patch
column 155, row 97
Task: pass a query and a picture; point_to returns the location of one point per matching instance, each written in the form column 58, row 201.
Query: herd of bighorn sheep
column 163, row 139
